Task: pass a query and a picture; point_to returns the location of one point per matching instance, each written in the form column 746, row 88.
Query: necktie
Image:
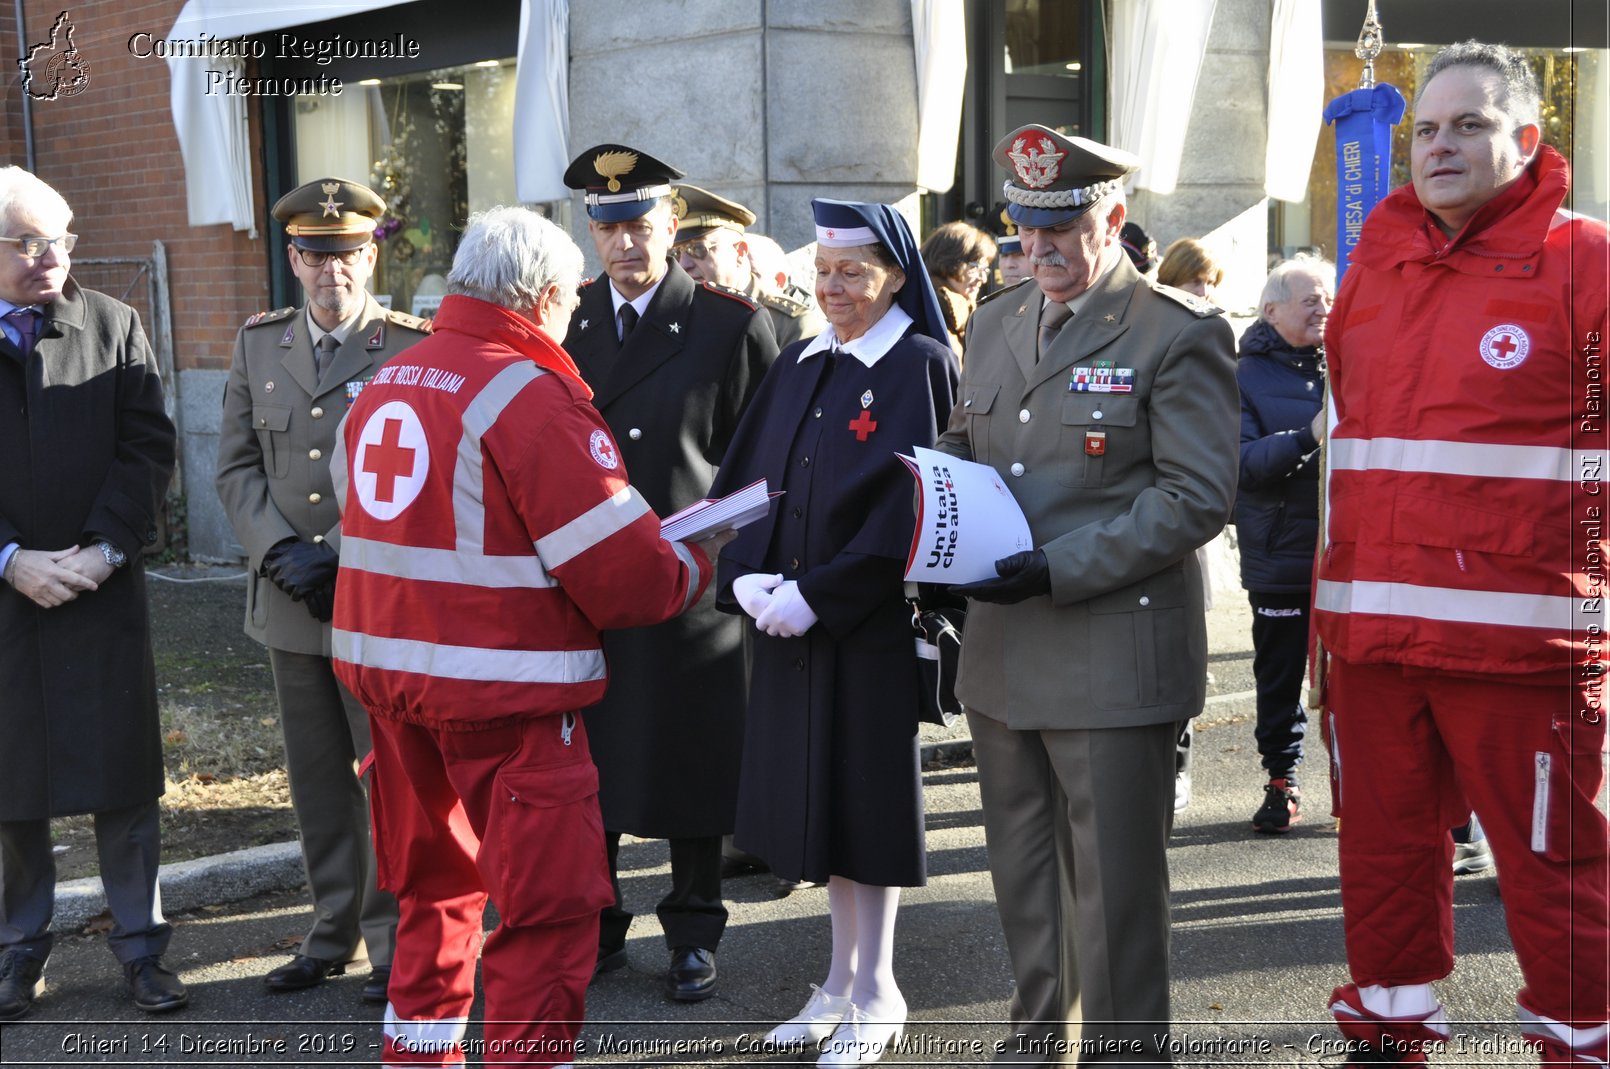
column 327, row 347
column 26, row 321
column 628, row 316
column 1051, row 319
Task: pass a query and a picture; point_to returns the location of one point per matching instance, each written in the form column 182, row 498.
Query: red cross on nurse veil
column 392, row 461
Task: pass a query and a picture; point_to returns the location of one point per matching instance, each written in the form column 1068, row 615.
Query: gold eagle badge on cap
column 1011, row 227
column 679, row 204
column 1039, row 166
column 612, row 165
column 332, row 207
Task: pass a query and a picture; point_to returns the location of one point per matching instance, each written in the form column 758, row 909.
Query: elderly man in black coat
column 89, row 454
column 673, row 364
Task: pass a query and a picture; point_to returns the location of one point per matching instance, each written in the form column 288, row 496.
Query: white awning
column 939, row 32
column 1157, row 49
column 1296, row 97
column 213, row 131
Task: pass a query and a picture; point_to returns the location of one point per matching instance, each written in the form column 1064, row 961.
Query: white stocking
column 841, row 906
column 875, row 991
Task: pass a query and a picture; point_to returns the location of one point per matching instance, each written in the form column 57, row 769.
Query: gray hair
column 1519, row 96
column 508, row 256
column 20, row 189
column 1277, row 287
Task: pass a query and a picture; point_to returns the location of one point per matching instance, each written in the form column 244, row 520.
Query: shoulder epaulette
column 412, row 322
column 1004, row 289
column 1197, row 306
column 259, row 318
column 784, row 304
column 731, row 295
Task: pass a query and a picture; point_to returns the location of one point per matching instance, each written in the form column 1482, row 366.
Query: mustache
column 1050, row 259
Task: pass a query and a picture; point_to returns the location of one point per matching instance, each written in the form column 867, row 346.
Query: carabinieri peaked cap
column 619, row 182
column 1007, row 239
column 845, row 224
column 1056, row 178
column 330, row 214
column 699, row 211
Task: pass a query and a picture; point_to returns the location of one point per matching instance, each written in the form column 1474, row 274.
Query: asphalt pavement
column 1257, row 945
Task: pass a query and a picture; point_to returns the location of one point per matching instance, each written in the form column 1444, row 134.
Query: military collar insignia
column 378, row 338
column 582, row 325
column 674, row 328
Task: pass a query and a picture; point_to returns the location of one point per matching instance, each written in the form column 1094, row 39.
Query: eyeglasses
column 314, row 258
column 34, row 246
column 698, row 252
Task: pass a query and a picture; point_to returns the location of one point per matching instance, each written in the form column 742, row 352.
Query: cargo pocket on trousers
column 1566, row 778
column 548, row 834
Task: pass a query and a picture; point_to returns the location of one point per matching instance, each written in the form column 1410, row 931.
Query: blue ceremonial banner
column 1364, row 119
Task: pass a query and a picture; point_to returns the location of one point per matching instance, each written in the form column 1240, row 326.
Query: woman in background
column 958, row 256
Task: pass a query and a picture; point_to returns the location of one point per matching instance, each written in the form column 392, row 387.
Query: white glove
column 787, row 616
column 753, row 591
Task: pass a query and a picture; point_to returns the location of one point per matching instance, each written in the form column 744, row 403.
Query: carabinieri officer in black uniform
column 672, row 364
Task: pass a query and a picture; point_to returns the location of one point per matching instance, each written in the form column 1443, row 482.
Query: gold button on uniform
column 314, row 498
column 314, row 454
column 317, row 413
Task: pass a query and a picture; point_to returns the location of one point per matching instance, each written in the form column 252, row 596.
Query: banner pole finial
column 1370, row 42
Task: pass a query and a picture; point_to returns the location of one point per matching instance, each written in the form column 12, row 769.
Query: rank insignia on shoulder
column 1202, row 309
column 259, row 318
column 412, row 322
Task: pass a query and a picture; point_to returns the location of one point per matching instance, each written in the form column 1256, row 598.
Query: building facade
column 172, row 128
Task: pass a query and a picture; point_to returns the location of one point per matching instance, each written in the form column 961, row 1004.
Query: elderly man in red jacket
column 489, row 534
column 1460, row 590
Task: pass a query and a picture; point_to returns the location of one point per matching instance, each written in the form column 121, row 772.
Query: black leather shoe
column 692, row 975
column 156, row 989
column 21, row 981
column 376, row 988
column 303, row 972
column 609, row 959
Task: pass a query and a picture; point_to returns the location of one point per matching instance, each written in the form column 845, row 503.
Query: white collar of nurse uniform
column 869, row 347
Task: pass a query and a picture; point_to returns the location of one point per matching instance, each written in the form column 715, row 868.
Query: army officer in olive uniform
column 712, row 246
column 672, row 364
column 294, row 373
column 1108, row 405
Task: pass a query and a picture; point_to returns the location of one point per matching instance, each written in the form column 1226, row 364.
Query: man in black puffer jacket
column 1281, row 374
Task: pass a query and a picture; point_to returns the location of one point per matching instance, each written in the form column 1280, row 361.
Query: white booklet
column 967, row 520
column 738, row 509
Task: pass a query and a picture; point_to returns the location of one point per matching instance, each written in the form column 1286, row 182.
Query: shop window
column 436, row 145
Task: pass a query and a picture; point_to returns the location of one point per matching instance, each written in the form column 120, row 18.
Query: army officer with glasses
column 295, row 372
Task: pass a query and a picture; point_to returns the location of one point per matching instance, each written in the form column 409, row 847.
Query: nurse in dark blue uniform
column 831, row 788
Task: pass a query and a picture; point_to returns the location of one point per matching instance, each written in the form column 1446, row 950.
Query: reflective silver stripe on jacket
column 1465, row 458
column 468, row 662
column 685, row 555
column 469, row 507
column 591, row 527
column 444, row 565
column 1456, row 606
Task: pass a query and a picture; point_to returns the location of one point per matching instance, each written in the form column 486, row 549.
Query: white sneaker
column 1472, row 857
column 813, row 1024
column 859, row 1041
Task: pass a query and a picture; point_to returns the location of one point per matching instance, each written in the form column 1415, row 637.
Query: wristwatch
column 114, row 556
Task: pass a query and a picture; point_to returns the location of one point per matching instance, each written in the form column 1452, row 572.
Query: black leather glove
column 301, row 568
column 1022, row 575
column 321, row 602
